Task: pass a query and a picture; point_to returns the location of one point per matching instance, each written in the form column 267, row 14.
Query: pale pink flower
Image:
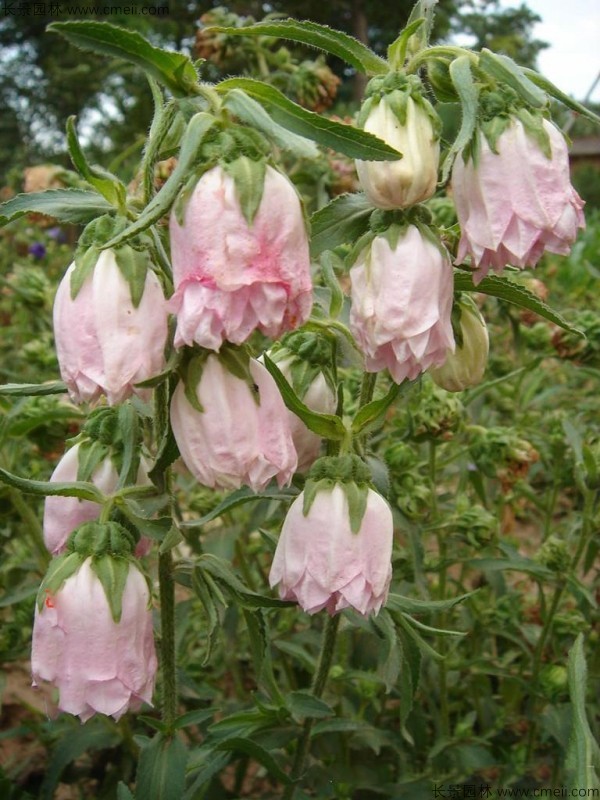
column 320, row 563
column 97, row 664
column 63, row 514
column 104, row 344
column 242, row 438
column 232, row 278
column 515, row 204
column 401, row 305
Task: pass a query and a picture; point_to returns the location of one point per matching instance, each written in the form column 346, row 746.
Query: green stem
column 442, row 581
column 317, row 688
column 367, row 388
column 167, row 641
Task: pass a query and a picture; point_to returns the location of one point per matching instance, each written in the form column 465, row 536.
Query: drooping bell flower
column 62, row 515
column 402, row 286
column 514, row 197
column 110, row 324
column 397, row 112
column 305, row 361
column 92, row 633
column 335, row 547
column 240, row 261
column 465, row 366
column 232, row 427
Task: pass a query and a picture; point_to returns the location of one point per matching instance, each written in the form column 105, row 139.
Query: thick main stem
column 167, row 641
column 317, row 688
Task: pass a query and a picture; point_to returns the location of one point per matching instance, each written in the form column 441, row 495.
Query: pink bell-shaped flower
column 332, row 553
column 401, row 304
column 105, row 343
column 515, row 202
column 242, row 436
column 233, row 277
column 99, row 653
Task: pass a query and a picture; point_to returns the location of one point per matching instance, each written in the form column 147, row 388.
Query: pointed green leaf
column 468, row 92
column 171, row 540
column 389, row 656
column 331, row 41
column 160, row 205
column 108, row 185
column 66, row 205
column 161, row 769
column 253, row 114
column 397, row 50
column 133, row 266
column 112, row 572
column 32, row 389
column 238, row 498
column 514, row 293
column 239, row 744
column 563, row 98
column 222, row 573
column 413, row 605
column 303, row 705
column 343, row 138
column 507, row 71
column 342, row 221
column 123, row 792
column 203, row 587
column 328, row 426
column 85, row 491
column 173, row 70
column 373, row 414
column 583, row 754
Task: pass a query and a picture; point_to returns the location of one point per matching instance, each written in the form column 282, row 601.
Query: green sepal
column 373, row 414
column 98, row 539
column 133, row 265
column 191, row 372
column 533, row 122
column 89, row 457
column 236, row 360
column 327, row 426
column 59, row 570
column 350, row 473
column 395, row 89
column 89, row 247
column 310, row 354
column 112, row 572
column 249, row 178
column 85, row 261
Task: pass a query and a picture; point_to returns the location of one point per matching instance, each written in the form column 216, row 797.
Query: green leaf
column 196, row 717
column 397, row 50
column 563, row 98
column 238, row 498
column 328, row 426
column 303, row 705
column 252, row 113
column 505, row 70
column 161, row 769
column 112, row 573
column 66, row 205
column 129, row 433
column 213, row 763
column 258, row 637
column 468, row 92
column 85, row 491
column 239, row 744
column 389, row 655
column 221, row 571
column 203, row 586
column 171, row 540
column 160, row 205
column 583, row 754
column 373, row 414
column 320, row 36
column 173, row 70
column 410, row 673
column 123, row 792
column 156, row 529
column 108, row 185
column 343, row 138
column 514, row 293
column 330, row 280
column 342, row 221
column 412, row 605
column 94, row 735
column 32, row 389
